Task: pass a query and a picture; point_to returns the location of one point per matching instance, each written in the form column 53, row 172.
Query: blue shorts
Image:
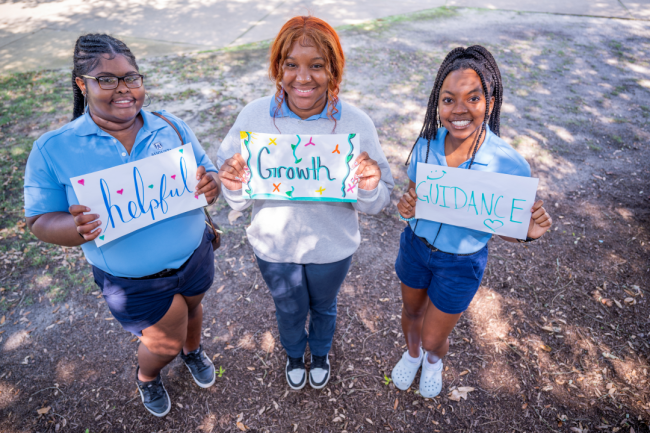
column 140, row 303
column 451, row 280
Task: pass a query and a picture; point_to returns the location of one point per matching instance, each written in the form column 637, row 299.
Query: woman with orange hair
column 304, row 249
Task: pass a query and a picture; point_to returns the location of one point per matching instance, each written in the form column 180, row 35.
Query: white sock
column 409, row 358
column 436, row 366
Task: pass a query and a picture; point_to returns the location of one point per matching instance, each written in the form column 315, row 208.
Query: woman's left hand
column 368, row 172
column 207, row 184
column 540, row 221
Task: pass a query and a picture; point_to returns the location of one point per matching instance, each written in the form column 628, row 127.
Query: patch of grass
column 384, row 23
column 57, row 294
column 617, row 139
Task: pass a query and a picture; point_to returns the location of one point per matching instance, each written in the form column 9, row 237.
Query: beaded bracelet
column 528, row 239
column 405, row 219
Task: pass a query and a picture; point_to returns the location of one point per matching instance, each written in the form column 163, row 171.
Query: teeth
column 303, row 91
column 461, row 123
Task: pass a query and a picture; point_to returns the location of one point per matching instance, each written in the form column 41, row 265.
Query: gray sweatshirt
column 306, row 232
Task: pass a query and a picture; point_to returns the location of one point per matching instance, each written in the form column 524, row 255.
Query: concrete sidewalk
column 40, row 34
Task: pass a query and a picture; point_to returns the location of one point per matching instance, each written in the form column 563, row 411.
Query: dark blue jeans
column 301, row 289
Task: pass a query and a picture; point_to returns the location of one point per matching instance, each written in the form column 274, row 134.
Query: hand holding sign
column 489, row 202
column 368, row 172
column 540, row 221
column 233, row 171
column 85, row 223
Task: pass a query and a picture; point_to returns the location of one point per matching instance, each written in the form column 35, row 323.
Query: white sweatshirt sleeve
column 230, row 146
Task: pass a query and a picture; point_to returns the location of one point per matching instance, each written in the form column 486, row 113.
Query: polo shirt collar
column 85, row 125
column 484, row 154
column 284, row 111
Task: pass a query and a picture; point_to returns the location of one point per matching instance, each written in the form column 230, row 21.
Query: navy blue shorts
column 138, row 304
column 451, row 280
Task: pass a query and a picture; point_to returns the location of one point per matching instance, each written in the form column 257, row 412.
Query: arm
column 540, row 222
column 63, row 228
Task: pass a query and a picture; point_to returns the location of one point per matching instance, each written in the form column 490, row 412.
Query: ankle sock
column 436, row 366
column 194, row 352
column 409, row 358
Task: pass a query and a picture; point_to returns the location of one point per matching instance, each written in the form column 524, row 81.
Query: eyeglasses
column 109, row 83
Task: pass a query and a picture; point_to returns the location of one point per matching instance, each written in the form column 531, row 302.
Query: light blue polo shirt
column 494, row 155
column 81, row 147
column 285, row 111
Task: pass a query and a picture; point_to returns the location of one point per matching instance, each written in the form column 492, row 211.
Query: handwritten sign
column 489, row 202
column 137, row 194
column 300, row 167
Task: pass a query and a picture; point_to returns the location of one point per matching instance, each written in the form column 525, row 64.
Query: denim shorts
column 451, row 280
column 140, row 303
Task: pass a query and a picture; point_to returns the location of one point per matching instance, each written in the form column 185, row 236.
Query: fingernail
column 356, row 163
column 237, row 178
column 246, row 168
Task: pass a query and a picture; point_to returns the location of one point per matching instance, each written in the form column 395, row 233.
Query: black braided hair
column 87, row 54
column 480, row 60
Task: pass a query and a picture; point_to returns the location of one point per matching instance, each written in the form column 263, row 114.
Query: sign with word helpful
column 137, row 194
column 489, row 202
column 300, row 167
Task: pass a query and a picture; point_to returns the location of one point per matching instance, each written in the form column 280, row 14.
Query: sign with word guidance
column 137, row 194
column 489, row 202
column 300, row 167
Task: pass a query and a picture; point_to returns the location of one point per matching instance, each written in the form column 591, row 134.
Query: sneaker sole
column 169, row 407
column 203, row 385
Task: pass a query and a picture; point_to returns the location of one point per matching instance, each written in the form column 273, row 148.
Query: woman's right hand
column 233, row 172
column 85, row 223
column 406, row 205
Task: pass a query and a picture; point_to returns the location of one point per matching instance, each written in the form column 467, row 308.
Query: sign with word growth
column 300, row 167
column 137, row 194
column 489, row 202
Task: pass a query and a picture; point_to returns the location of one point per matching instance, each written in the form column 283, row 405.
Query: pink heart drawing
column 120, row 191
column 174, row 176
column 81, row 181
column 196, row 197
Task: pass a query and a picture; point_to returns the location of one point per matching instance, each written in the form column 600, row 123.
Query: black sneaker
column 154, row 395
column 200, row 366
column 319, row 372
column 295, row 372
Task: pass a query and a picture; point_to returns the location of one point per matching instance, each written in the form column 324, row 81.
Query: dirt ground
column 557, row 338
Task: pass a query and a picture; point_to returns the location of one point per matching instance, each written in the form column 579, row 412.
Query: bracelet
column 528, row 239
column 405, row 219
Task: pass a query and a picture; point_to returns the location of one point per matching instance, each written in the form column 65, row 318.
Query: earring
column 146, row 96
column 85, row 103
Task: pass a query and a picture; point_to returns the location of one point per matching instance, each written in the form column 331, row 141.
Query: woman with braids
column 153, row 279
column 304, row 249
column 441, row 266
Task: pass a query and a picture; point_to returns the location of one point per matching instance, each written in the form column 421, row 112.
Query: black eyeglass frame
column 118, row 81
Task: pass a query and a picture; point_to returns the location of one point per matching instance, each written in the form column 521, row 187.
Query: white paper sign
column 489, row 202
column 300, row 167
column 140, row 193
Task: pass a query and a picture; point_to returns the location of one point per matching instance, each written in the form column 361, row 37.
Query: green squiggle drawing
column 290, row 192
column 347, row 161
column 293, row 147
column 248, row 161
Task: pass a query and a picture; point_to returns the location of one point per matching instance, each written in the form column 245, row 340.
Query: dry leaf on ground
column 233, row 215
column 460, row 392
column 43, row 410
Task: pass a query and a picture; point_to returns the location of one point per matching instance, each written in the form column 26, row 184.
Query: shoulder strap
column 170, row 124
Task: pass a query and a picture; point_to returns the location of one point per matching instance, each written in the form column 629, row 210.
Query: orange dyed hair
column 308, row 31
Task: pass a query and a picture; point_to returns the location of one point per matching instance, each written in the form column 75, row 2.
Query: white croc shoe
column 430, row 379
column 404, row 372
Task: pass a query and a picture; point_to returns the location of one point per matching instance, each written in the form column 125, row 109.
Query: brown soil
column 555, row 340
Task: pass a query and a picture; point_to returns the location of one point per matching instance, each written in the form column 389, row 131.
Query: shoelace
column 319, row 362
column 153, row 390
column 196, row 360
column 295, row 363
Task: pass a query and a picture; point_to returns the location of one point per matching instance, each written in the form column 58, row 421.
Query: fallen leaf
column 240, row 425
column 370, row 421
column 629, row 301
column 44, row 410
column 251, row 368
column 337, row 419
column 524, row 406
column 459, row 393
column 396, row 404
column 545, row 348
column 2, row 320
column 618, row 304
column 463, row 373
column 233, row 215
column 220, row 288
column 228, row 347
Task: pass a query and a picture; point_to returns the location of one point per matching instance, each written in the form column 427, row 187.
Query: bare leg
column 435, row 332
column 194, row 323
column 415, row 303
column 162, row 342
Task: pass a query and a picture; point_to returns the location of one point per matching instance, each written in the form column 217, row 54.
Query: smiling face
column 462, row 103
column 305, row 80
column 119, row 105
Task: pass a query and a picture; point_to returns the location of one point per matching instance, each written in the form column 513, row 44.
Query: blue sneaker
column 154, row 395
column 201, row 367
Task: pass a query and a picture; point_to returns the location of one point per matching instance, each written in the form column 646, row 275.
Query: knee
column 434, row 344
column 195, row 311
column 168, row 348
column 414, row 312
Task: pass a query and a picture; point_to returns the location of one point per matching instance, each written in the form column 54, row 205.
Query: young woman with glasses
column 153, row 279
